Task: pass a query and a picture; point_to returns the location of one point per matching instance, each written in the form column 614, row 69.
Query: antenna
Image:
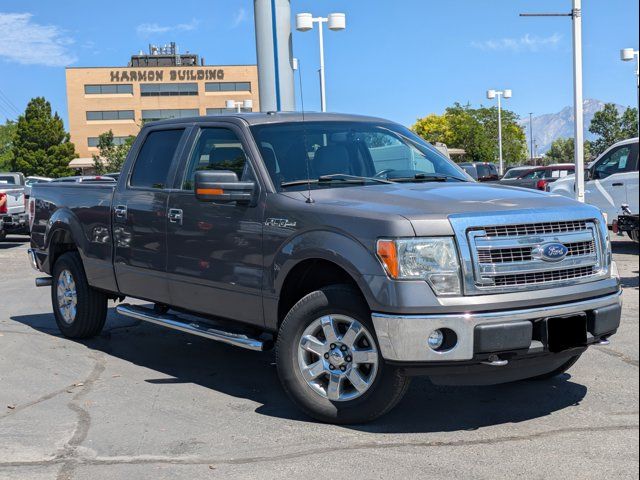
column 304, row 136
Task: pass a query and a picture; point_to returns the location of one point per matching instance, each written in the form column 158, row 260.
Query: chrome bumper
column 403, row 338
column 33, row 260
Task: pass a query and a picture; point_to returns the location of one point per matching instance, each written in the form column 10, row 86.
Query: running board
column 177, row 323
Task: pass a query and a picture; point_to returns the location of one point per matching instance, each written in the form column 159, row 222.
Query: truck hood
column 428, row 205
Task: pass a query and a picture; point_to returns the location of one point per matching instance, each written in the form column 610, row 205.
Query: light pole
column 531, row 137
column 335, row 22
column 578, row 123
column 627, row 55
column 239, row 105
column 491, row 94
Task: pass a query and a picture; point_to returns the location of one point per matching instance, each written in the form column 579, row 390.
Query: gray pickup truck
column 356, row 249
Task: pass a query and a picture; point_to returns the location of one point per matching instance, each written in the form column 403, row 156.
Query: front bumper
column 403, row 338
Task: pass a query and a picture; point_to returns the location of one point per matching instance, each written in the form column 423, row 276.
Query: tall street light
column 628, row 55
column 239, row 105
column 531, row 137
column 578, row 122
column 335, row 22
column 491, row 94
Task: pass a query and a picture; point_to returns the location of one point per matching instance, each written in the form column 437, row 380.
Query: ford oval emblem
column 553, row 252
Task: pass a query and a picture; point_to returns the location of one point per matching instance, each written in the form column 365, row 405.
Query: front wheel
column 329, row 361
column 80, row 310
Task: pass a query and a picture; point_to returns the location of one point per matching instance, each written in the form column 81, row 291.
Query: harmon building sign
column 151, row 75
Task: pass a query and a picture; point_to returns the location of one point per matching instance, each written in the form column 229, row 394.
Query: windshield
column 514, row 173
column 348, row 151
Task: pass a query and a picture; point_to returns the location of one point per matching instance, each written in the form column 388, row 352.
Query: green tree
column 476, row 131
column 110, row 156
column 7, row 133
column 611, row 127
column 561, row 151
column 41, row 145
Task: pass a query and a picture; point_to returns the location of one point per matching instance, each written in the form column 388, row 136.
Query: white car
column 610, row 181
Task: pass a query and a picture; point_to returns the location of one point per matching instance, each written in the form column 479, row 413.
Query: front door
column 215, row 249
column 607, row 188
column 140, row 217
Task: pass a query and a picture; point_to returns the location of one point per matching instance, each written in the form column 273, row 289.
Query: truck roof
column 272, row 117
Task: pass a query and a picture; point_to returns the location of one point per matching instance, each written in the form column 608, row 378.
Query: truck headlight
column 434, row 259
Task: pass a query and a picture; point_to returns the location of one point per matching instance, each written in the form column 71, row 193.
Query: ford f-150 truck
column 354, row 247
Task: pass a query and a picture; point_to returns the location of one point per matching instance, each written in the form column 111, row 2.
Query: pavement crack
column 69, row 452
column 187, row 460
column 41, row 399
column 613, row 353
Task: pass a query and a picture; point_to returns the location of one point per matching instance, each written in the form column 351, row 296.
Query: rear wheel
column 3, row 235
column 558, row 371
column 80, row 311
column 329, row 361
column 633, row 235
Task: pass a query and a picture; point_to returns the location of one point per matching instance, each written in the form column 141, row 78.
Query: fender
column 63, row 220
column 334, row 246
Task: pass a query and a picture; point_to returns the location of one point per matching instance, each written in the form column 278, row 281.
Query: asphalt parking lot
column 144, row 402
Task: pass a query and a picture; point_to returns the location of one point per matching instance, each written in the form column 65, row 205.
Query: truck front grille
column 535, row 228
column 525, row 254
column 542, row 277
column 509, row 257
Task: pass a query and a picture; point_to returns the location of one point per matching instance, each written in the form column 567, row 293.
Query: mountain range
column 548, row 127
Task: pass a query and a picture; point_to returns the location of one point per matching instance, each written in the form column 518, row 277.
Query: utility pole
column 578, row 124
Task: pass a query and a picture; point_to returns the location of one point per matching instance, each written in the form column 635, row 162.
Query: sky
column 401, row 60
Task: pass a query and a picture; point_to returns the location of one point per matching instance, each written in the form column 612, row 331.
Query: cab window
column 217, row 149
column 153, row 164
column 616, row 161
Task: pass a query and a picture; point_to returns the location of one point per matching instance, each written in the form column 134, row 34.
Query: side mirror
column 589, row 174
column 222, row 186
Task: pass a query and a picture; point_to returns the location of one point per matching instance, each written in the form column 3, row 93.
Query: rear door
column 215, row 262
column 611, row 177
column 140, row 215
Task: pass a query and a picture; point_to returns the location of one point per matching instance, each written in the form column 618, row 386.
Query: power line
column 9, row 102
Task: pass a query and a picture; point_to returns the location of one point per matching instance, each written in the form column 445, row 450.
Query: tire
column 3, row 236
column 385, row 385
column 85, row 309
column 558, row 371
column 633, row 235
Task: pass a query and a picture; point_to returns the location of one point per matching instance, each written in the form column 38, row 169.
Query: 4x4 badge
column 279, row 222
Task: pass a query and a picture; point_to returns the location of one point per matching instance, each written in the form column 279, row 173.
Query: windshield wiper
column 427, row 177
column 336, row 177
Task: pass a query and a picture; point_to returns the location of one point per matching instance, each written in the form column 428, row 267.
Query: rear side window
column 152, row 166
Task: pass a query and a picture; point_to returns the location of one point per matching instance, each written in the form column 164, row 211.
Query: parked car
column 610, row 181
column 485, row 171
column 363, row 264
column 627, row 222
column 515, row 172
column 539, row 178
column 12, row 205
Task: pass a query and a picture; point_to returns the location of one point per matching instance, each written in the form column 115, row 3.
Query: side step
column 177, row 323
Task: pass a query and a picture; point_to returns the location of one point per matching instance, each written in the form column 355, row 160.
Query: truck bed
column 84, row 209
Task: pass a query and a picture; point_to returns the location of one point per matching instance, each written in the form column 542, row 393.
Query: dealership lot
column 144, row 402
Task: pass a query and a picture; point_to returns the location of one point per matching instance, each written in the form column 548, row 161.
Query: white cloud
column 147, row 29
column 532, row 43
column 29, row 43
column 239, row 17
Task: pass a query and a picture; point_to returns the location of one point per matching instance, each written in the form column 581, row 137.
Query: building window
column 103, row 89
column 152, row 115
column 227, row 86
column 110, row 115
column 168, row 89
column 218, row 111
column 93, row 141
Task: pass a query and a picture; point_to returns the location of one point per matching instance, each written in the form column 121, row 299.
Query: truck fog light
column 436, row 339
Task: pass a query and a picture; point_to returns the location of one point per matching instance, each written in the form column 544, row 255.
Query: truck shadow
column 181, row 358
column 624, row 246
column 13, row 242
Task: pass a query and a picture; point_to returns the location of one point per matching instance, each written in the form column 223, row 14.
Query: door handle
column 175, row 215
column 618, row 184
column 120, row 211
